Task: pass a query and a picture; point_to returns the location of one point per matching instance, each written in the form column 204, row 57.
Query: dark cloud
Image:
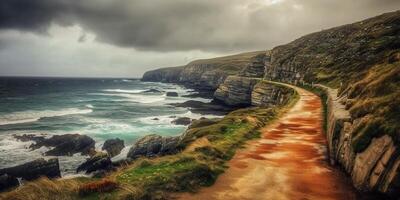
column 178, row 25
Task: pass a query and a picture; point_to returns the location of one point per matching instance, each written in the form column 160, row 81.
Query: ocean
column 100, row 108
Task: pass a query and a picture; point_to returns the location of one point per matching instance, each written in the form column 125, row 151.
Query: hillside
column 360, row 60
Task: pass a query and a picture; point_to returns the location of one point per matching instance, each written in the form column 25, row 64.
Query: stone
column 8, row 182
column 98, row 162
column 213, row 107
column 34, row 169
column 152, row 91
column 182, row 121
column 66, row 145
column 154, row 145
column 367, row 160
column 172, row 94
column 113, row 146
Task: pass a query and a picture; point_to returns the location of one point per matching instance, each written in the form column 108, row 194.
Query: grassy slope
column 230, row 64
column 154, row 178
column 362, row 60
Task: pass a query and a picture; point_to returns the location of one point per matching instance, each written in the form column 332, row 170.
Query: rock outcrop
column 182, row 121
column 269, row 94
column 66, row 145
column 172, row 94
column 8, row 182
column 113, row 146
column 374, row 169
column 154, row 145
column 35, row 169
column 256, row 66
column 213, row 107
column 236, row 91
column 168, row 75
column 98, row 162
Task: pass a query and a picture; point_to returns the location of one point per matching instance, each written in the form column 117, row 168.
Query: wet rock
column 28, row 137
column 113, row 146
column 214, row 107
column 8, row 182
column 182, row 121
column 152, row 91
column 154, row 145
column 172, row 94
column 98, row 162
column 35, row 169
column 66, row 145
column 155, row 119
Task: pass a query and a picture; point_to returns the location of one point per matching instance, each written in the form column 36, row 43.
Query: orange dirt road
column 288, row 162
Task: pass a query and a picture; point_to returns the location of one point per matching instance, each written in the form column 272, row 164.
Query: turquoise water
column 99, row 108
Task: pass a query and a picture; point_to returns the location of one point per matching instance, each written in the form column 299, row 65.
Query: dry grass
column 44, row 188
column 101, row 186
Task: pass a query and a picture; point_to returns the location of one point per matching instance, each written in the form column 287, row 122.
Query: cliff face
column 168, row 75
column 376, row 167
column 267, row 94
column 236, row 91
column 210, row 73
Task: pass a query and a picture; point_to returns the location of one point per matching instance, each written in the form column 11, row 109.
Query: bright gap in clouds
column 70, row 51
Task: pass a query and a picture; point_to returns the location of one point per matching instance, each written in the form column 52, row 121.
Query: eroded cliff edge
column 361, row 61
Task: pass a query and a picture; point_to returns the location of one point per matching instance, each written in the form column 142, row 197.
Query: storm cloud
column 128, row 37
column 177, row 25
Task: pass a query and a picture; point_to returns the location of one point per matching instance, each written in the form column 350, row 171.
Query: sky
column 125, row 38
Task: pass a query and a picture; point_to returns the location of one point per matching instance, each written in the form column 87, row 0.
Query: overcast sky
column 125, row 38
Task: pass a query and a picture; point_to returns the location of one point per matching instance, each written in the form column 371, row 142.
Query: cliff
column 210, row 73
column 168, row 75
column 360, row 64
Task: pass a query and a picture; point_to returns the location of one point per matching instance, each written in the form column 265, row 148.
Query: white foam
column 123, row 154
column 138, row 98
column 167, row 119
column 35, row 115
column 89, row 105
column 124, row 91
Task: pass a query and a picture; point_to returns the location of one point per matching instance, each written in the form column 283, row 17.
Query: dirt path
column 288, row 162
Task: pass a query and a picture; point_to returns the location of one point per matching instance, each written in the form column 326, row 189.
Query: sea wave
column 124, row 91
column 35, row 115
column 138, row 98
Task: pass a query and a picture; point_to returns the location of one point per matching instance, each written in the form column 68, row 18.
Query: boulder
column 98, row 162
column 182, row 121
column 152, row 91
column 8, row 182
column 172, row 94
column 113, row 146
column 66, row 145
column 154, row 145
column 35, row 169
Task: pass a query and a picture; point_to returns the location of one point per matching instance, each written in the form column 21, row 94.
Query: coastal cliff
column 359, row 63
column 210, row 73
